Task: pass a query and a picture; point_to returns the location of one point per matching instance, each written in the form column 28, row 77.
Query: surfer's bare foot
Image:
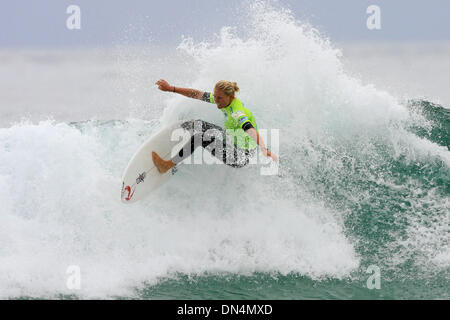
column 162, row 165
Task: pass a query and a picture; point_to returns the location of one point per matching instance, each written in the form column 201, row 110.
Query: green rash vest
column 236, row 116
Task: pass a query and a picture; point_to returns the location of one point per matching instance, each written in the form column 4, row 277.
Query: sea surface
column 359, row 208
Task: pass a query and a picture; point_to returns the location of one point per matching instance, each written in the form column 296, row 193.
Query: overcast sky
column 42, row 23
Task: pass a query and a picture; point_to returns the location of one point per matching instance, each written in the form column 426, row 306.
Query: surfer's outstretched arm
column 190, row 93
column 255, row 135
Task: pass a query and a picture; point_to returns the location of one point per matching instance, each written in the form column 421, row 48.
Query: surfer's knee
column 238, row 165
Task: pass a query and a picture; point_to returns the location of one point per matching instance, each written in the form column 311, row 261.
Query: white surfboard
column 141, row 176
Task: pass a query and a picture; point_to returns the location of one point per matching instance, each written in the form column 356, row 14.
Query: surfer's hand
column 163, row 85
column 267, row 153
column 274, row 157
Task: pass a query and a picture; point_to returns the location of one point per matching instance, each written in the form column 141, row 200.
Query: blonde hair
column 228, row 87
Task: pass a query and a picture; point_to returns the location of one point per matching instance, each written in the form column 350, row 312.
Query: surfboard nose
column 141, row 176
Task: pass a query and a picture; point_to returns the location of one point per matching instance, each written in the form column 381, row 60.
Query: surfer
column 240, row 125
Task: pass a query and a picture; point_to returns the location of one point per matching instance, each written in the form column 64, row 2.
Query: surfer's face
column 222, row 100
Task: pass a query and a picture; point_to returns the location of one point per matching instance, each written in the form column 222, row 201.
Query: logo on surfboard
column 125, row 190
column 129, row 191
column 141, row 178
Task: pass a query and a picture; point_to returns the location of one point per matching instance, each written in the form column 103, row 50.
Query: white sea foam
column 62, row 208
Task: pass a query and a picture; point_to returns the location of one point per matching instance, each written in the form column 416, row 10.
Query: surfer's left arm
column 255, row 135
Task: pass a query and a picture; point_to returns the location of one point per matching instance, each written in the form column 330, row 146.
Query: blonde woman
column 239, row 123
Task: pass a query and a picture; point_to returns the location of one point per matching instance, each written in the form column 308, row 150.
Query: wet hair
column 228, row 87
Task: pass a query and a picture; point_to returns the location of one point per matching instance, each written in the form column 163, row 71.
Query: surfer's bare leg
column 162, row 165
